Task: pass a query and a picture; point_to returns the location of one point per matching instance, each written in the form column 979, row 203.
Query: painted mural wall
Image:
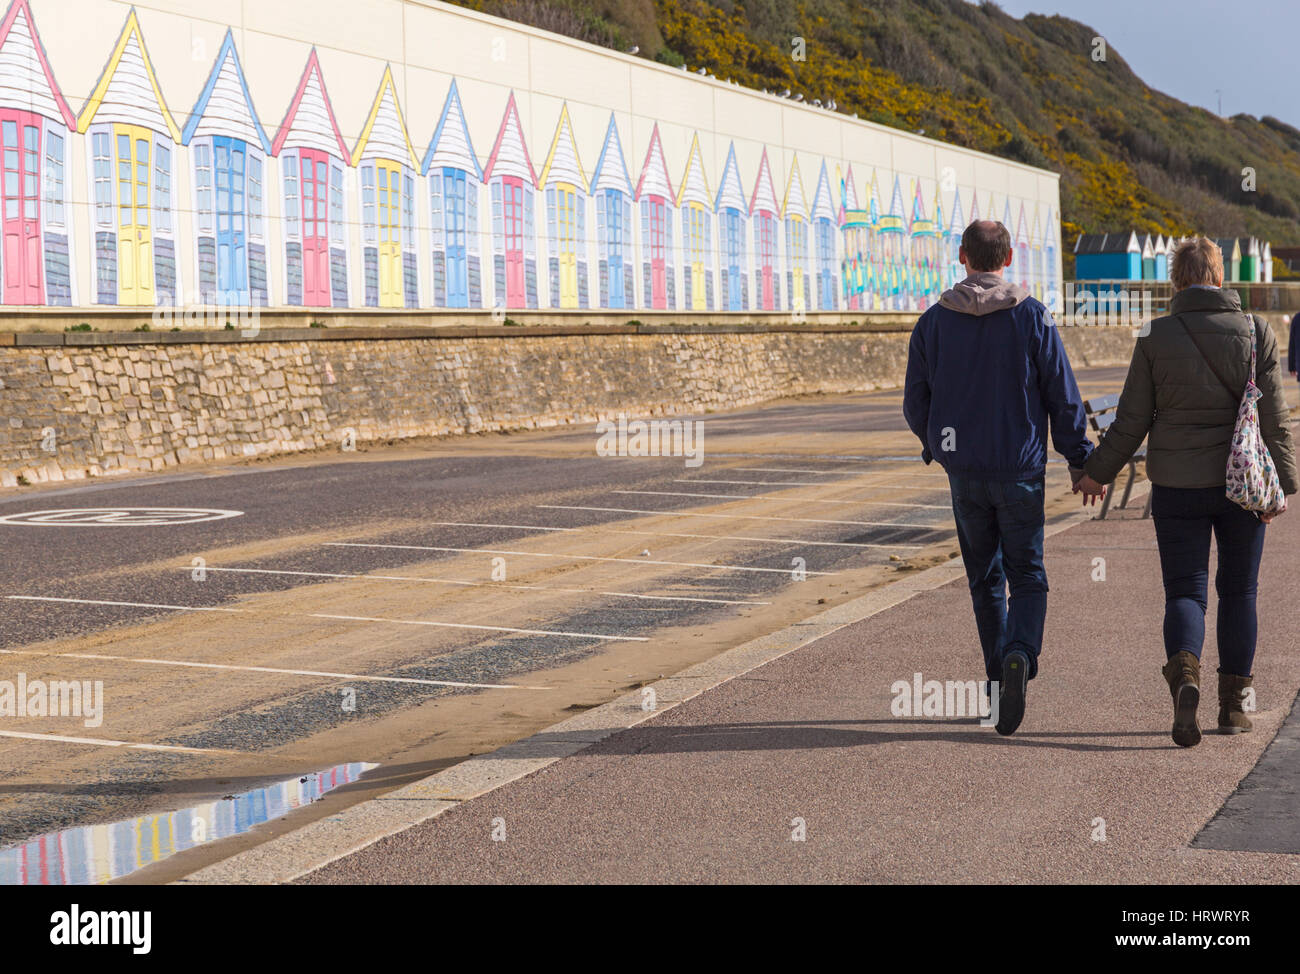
column 409, row 155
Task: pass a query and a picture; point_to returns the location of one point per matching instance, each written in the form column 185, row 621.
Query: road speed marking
column 118, row 517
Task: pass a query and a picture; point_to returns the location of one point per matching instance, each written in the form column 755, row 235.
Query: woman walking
column 1184, row 388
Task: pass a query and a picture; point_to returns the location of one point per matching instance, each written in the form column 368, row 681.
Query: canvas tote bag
column 1252, row 481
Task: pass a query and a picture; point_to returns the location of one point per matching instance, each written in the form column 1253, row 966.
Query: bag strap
column 1210, row 362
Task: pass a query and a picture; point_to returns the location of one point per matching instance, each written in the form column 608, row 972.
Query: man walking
column 986, row 376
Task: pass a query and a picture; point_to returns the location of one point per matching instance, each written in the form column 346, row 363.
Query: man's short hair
column 987, row 244
column 1196, row 261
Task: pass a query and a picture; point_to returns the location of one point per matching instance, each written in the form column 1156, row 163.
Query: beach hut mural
column 825, row 231
column 876, row 262
column 895, row 252
column 939, row 278
column 228, row 149
column 132, row 139
column 695, row 206
column 512, row 184
column 387, row 163
column 923, row 236
column 611, row 188
column 1051, row 237
column 455, row 182
column 313, row 158
column 35, row 125
column 952, row 242
column 855, row 225
column 1021, row 269
column 733, row 219
column 657, row 203
column 1265, row 262
column 764, row 214
column 794, row 212
column 1037, row 271
column 1162, row 256
column 565, row 187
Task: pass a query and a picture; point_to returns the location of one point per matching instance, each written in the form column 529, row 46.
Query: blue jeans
column 1000, row 531
column 1185, row 518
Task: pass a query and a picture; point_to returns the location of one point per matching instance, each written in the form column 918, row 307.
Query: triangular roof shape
column 938, row 210
column 974, row 207
column 896, row 206
column 764, row 196
column 654, row 179
column 695, row 183
column 823, row 202
column 1006, row 215
column 562, row 163
column 731, row 192
column 849, row 192
column 918, row 204
column 1036, row 230
column 509, row 156
column 1022, row 231
column 227, row 92
column 384, row 135
column 115, row 97
column 25, row 74
column 611, row 165
column 955, row 225
column 874, row 203
column 451, row 144
column 309, row 122
column 795, row 202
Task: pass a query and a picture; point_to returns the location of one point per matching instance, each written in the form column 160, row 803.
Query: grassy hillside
column 1022, row 89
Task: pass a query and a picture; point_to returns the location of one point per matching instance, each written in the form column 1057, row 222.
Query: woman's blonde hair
column 1196, row 261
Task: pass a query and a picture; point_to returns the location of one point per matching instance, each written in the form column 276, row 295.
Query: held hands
column 1090, row 489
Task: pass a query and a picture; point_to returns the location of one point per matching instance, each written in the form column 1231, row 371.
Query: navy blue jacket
column 981, row 390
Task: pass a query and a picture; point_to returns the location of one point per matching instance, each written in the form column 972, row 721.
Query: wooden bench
column 1101, row 416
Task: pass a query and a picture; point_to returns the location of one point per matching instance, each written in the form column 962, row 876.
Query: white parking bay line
column 464, row 625
column 101, row 742
column 314, row 615
column 129, row 605
column 540, row 554
column 776, row 500
column 269, row 669
column 457, row 581
column 741, row 537
column 738, row 517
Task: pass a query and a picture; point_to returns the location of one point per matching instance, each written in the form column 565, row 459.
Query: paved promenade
column 1091, row 789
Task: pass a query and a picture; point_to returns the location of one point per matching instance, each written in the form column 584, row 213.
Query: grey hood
column 983, row 293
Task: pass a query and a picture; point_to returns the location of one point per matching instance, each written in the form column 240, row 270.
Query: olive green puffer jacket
column 1172, row 396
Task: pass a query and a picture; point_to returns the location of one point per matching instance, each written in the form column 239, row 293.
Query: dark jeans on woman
column 1000, row 531
column 1185, row 518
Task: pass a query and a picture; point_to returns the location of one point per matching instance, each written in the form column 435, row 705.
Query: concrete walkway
column 717, row 788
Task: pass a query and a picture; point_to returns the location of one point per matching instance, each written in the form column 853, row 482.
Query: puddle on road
column 93, row 854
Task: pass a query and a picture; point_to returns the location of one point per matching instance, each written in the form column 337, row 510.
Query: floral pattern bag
column 1252, row 481
column 1252, row 475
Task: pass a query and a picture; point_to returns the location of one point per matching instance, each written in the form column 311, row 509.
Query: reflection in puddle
column 98, row 853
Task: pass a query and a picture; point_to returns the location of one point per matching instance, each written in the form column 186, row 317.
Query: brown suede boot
column 1232, row 713
column 1183, row 674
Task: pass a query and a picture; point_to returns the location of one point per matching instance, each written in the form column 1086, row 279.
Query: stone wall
column 112, row 404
